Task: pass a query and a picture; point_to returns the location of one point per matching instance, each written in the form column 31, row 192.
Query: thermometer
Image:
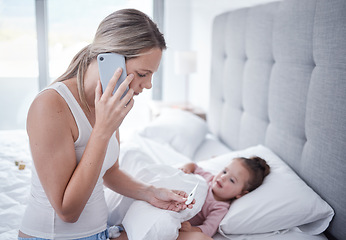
column 191, row 195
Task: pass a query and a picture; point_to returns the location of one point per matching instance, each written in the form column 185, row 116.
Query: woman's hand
column 173, row 200
column 110, row 110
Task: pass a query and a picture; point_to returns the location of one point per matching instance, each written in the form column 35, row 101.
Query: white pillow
column 283, row 201
column 209, row 148
column 145, row 222
column 183, row 130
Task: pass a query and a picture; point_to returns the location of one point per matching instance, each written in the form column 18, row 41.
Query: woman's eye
column 232, row 180
column 141, row 75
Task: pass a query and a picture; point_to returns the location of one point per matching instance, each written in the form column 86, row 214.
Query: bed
column 278, row 90
column 14, row 182
column 278, row 87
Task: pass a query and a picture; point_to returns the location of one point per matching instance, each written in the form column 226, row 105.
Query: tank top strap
column 82, row 121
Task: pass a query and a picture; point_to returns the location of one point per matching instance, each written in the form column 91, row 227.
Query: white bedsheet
column 15, row 183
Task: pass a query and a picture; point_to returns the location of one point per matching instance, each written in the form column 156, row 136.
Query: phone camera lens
column 101, row 58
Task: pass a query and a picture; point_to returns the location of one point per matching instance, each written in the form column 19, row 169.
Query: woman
column 74, row 138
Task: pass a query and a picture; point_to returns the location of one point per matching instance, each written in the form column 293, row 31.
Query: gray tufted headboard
column 278, row 78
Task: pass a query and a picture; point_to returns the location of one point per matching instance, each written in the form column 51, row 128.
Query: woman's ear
column 242, row 194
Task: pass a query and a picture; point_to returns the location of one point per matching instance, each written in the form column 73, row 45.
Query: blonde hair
column 127, row 32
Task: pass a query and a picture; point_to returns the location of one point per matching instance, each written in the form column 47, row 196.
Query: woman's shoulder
column 49, row 100
column 48, row 107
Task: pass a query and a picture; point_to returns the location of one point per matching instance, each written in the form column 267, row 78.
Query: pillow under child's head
column 283, row 201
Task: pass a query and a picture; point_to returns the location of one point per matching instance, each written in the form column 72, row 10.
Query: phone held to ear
column 108, row 63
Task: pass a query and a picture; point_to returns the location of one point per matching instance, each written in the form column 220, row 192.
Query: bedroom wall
column 187, row 26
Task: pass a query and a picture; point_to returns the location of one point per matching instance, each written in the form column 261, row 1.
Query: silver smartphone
column 108, row 63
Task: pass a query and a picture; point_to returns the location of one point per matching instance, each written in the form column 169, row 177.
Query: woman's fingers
column 185, row 195
column 112, row 82
column 128, row 104
column 98, row 91
column 122, row 88
column 119, row 96
column 181, row 193
column 110, row 109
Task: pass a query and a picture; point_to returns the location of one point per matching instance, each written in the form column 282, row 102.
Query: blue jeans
column 98, row 236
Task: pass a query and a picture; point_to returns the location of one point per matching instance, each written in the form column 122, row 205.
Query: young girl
column 238, row 178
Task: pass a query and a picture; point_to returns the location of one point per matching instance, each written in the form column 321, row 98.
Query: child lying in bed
column 239, row 177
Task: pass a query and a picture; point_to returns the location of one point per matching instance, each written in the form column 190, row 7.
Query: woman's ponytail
column 77, row 68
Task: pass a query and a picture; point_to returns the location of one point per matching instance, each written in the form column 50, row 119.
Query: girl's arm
column 212, row 221
column 189, row 168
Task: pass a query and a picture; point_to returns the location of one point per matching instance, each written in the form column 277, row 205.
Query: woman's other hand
column 173, row 200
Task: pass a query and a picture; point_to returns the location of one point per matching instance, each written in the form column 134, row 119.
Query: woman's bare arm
column 50, row 125
column 68, row 186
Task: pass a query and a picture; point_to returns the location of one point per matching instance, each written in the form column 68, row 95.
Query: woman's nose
column 147, row 84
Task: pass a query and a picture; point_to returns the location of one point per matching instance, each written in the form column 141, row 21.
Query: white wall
column 177, row 34
column 187, row 26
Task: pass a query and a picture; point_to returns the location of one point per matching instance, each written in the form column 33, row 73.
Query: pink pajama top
column 213, row 211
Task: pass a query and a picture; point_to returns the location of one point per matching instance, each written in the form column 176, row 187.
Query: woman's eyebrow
column 146, row 70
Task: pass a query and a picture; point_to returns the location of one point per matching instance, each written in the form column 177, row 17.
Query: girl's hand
column 110, row 110
column 185, row 227
column 173, row 200
column 188, row 168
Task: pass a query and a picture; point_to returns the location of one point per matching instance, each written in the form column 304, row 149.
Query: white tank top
column 40, row 218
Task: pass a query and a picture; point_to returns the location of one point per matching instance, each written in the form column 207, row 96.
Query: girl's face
column 230, row 182
column 143, row 68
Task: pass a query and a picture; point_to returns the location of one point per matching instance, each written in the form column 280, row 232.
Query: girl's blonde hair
column 127, row 32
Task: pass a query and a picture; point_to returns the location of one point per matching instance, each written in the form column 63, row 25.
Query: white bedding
column 15, row 183
column 143, row 153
